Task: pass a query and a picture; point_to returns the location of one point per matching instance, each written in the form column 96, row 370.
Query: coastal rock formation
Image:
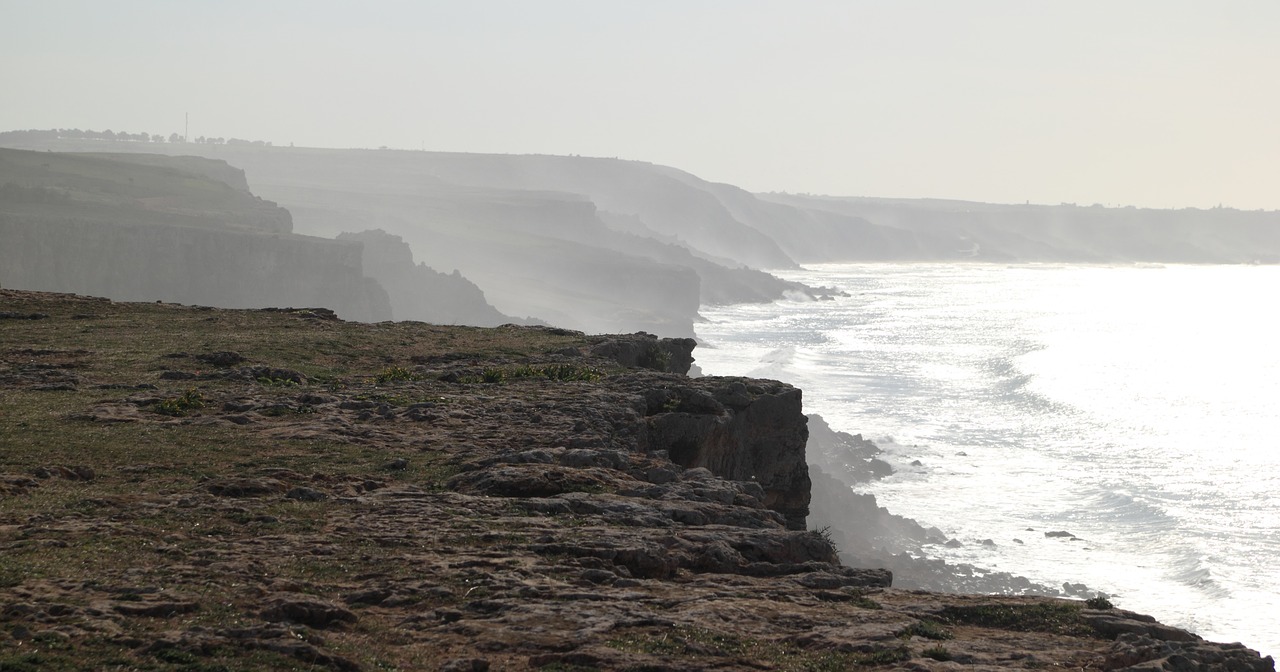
column 402, row 495
column 418, row 292
column 739, row 429
column 147, row 228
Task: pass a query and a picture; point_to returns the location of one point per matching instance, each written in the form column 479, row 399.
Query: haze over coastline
column 414, row 289
column 1144, row 103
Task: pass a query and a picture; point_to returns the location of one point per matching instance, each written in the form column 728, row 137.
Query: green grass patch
column 394, row 374
column 702, row 643
column 178, row 406
column 1050, row 616
column 497, row 375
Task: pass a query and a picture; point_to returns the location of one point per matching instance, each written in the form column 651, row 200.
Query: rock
column 161, row 609
column 222, row 359
column 271, row 375
column 761, row 441
column 646, row 351
column 1059, row 534
column 466, row 665
column 1113, row 625
column 598, row 576
column 245, row 487
column 307, row 611
column 77, row 473
column 305, row 494
column 1139, row 651
column 535, row 480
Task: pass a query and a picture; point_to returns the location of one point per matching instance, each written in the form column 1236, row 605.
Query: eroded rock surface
column 465, row 511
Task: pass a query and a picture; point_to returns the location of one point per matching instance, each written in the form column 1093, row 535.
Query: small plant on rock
column 1099, row 602
column 926, row 629
column 654, row 357
column 179, row 405
column 393, row 374
column 937, row 652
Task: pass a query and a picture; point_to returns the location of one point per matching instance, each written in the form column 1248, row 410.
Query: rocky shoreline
column 193, row 488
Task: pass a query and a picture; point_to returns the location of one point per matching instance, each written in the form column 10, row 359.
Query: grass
column 393, row 374
column 497, row 375
column 938, row 652
column 178, row 406
column 1059, row 617
column 125, row 340
column 700, row 643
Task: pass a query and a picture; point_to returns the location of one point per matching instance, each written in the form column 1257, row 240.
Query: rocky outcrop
column 646, row 351
column 739, row 429
column 446, row 498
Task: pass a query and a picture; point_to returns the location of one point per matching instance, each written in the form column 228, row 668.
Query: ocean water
column 1136, row 407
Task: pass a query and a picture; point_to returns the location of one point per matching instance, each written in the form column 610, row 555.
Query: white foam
column 1131, row 406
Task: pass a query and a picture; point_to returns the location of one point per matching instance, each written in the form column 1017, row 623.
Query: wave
column 1189, row 569
column 1114, row 507
column 776, row 364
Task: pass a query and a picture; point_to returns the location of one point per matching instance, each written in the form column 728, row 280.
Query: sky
column 1155, row 103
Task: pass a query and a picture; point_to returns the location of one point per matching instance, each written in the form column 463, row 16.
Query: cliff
column 612, row 245
column 139, row 227
column 593, row 244
column 417, row 291
column 944, row 230
column 191, row 487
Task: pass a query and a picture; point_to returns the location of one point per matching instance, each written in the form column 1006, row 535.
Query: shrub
column 394, row 374
column 654, row 357
column 179, row 405
column 937, row 652
column 1099, row 602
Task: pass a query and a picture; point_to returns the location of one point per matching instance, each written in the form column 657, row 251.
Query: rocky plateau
column 207, row 489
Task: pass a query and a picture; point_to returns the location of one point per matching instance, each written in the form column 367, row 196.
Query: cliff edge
column 200, row 488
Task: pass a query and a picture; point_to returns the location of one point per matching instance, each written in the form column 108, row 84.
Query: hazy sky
column 1164, row 103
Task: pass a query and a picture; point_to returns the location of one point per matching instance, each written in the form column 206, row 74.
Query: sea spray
column 1131, row 406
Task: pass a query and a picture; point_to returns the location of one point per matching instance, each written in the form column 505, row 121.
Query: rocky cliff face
column 738, row 429
column 230, row 269
column 147, row 228
column 418, row 292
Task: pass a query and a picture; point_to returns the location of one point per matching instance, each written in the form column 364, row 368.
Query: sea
column 1136, row 407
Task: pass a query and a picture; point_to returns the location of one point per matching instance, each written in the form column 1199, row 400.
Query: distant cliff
column 609, row 245
column 942, row 230
column 163, row 229
column 419, row 292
